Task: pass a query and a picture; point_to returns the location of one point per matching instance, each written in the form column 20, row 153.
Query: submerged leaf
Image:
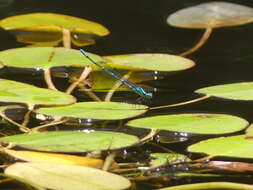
column 66, row 177
column 40, row 38
column 239, row 146
column 199, row 123
column 11, row 91
column 167, row 158
column 211, row 15
column 154, row 62
column 235, row 91
column 72, row 141
column 96, row 110
column 55, row 158
column 230, row 166
column 210, row 186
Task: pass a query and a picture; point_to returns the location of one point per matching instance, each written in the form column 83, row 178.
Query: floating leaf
column 211, row 185
column 235, row 91
column 52, row 22
column 11, row 91
column 55, row 158
column 96, row 110
column 156, row 62
column 211, row 14
column 199, row 123
column 167, row 158
column 239, row 146
column 208, row 16
column 72, row 141
column 66, row 177
column 45, row 57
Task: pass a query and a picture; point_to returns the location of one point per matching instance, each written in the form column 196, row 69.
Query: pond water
column 139, row 26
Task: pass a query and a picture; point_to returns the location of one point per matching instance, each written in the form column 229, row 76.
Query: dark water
column 139, row 26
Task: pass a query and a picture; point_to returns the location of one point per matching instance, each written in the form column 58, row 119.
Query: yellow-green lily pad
column 198, row 123
column 45, row 57
column 65, row 177
column 234, row 91
column 12, row 91
column 72, row 141
column 52, row 22
column 239, row 146
column 154, row 62
column 95, row 110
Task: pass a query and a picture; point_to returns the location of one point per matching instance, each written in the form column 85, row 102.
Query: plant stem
column 83, row 76
column 200, row 43
column 66, row 38
column 180, row 104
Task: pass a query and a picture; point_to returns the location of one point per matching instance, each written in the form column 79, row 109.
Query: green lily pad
column 11, row 91
column 211, row 15
column 96, row 110
column 45, row 57
column 199, row 123
column 154, row 62
column 167, row 158
column 239, row 146
column 235, row 91
column 210, row 186
column 52, row 22
column 66, row 177
column 72, row 141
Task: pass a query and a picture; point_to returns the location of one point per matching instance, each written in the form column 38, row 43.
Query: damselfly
column 138, row 90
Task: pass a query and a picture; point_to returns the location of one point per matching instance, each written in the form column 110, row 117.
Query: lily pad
column 210, row 186
column 212, row 15
column 96, row 110
column 239, row 146
column 167, row 158
column 12, row 91
column 154, row 62
column 52, row 22
column 208, row 16
column 72, row 141
column 199, row 123
column 34, row 156
column 45, row 57
column 235, row 91
column 66, row 177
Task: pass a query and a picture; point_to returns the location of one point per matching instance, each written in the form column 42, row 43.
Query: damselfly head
column 149, row 95
column 84, row 53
